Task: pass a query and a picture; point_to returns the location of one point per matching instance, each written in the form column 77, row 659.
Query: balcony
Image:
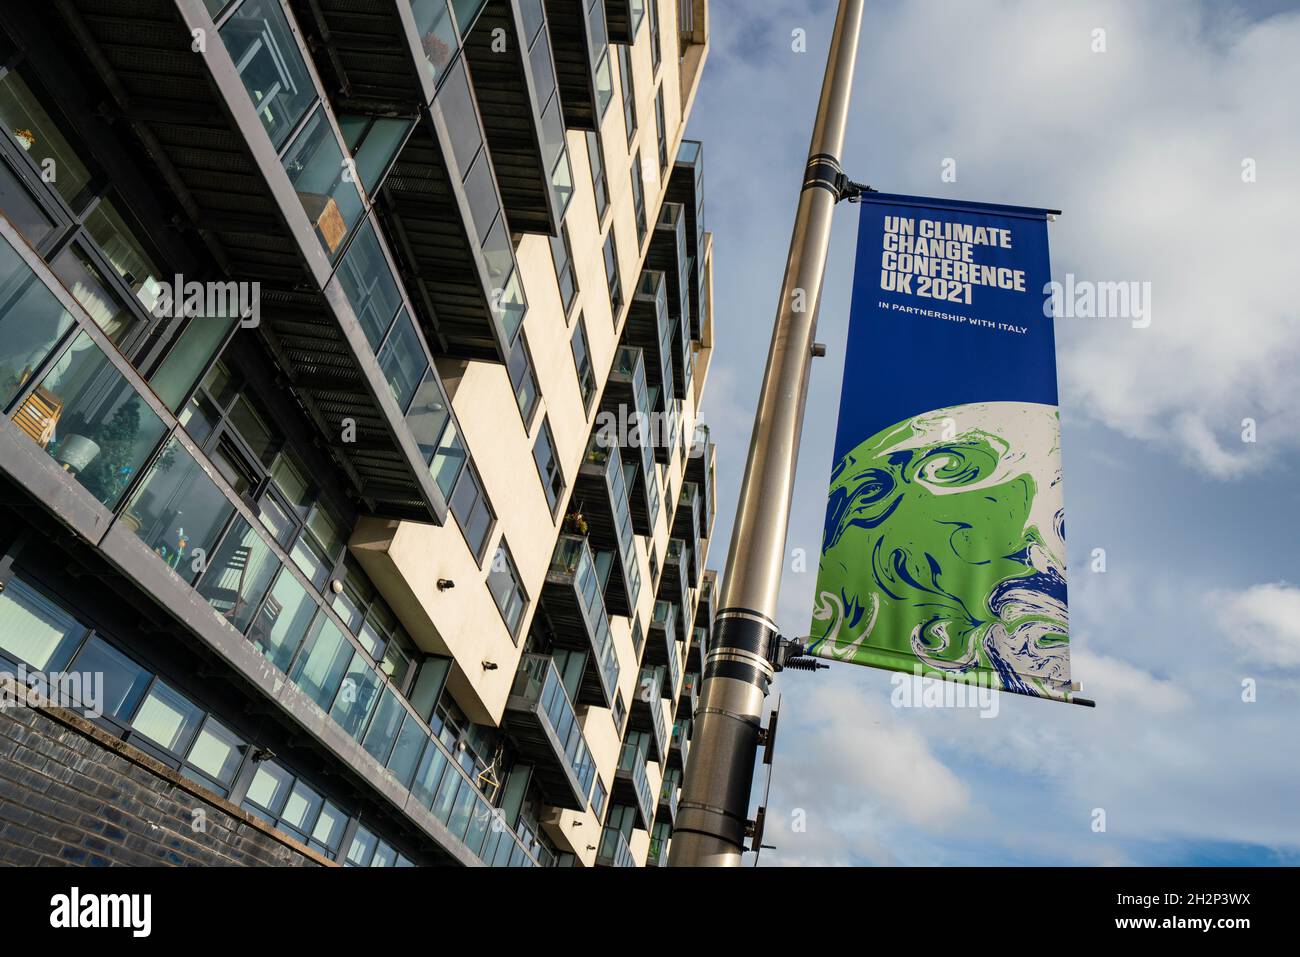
column 668, row 254
column 704, row 608
column 686, row 186
column 647, row 713
column 574, row 611
column 518, row 95
column 545, row 728
column 613, row 850
column 686, row 523
column 680, row 748
column 669, row 793
column 626, row 399
column 662, row 646
column 700, row 469
column 675, row 579
column 600, row 494
column 650, row 329
column 690, row 696
column 659, row 837
column 624, row 17
column 631, row 786
column 582, row 60
column 263, row 189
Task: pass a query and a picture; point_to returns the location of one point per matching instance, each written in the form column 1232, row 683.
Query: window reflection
column 315, row 166
column 270, row 65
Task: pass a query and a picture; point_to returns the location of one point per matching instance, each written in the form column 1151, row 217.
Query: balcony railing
column 631, row 764
column 627, row 381
column 546, row 728
column 649, row 698
column 609, row 517
column 613, row 850
column 574, row 581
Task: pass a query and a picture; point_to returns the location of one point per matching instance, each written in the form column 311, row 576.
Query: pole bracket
column 848, row 189
column 792, row 653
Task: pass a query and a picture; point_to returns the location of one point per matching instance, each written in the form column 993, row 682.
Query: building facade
column 353, row 488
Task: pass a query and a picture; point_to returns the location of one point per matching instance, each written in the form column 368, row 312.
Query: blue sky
column 1142, row 147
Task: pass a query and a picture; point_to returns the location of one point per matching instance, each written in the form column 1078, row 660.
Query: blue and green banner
column 943, row 550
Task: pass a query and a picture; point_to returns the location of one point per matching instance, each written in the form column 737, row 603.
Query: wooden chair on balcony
column 38, row 415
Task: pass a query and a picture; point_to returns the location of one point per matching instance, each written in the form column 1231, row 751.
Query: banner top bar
column 930, row 202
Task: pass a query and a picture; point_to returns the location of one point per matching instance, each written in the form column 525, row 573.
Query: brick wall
column 72, row 794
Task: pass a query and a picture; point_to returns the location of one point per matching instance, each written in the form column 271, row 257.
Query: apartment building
column 353, row 499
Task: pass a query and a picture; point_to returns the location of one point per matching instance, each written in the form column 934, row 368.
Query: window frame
column 557, row 505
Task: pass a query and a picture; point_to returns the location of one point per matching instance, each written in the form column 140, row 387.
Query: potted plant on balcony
column 575, row 524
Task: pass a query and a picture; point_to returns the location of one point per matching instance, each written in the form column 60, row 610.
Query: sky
column 1147, row 147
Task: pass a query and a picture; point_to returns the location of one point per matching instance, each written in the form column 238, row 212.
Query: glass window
column 35, row 132
column 271, row 66
column 611, row 274
column 124, row 681
column 282, row 621
column 629, row 97
column 598, row 794
column 167, row 718
column 520, row 368
column 565, row 274
column 638, row 197
column 599, row 183
column 177, row 510
column 448, row 460
column 31, row 323
column 320, row 667
column 239, row 575
column 328, row 832
column 548, row 466
column 362, row 847
column 403, row 361
column 270, row 787
column 301, row 808
column 217, row 752
column 582, row 362
column 22, row 211
column 193, row 350
column 83, row 279
column 470, row 506
column 369, row 285
column 288, row 476
column 34, row 630
column 251, row 425
column 315, row 166
column 437, row 35
column 661, row 132
column 503, row 583
column 116, row 240
column 385, row 855
column 89, row 419
column 656, row 52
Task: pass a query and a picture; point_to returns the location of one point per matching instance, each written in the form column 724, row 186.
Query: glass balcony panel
column 270, row 65
column 373, row 155
column 481, row 193
column 437, row 33
column 403, row 362
column 499, row 256
column 178, row 510
column 239, row 575
column 409, row 747
column 369, row 285
column 539, row 59
column 357, row 696
column 604, row 85
column 323, row 662
column 467, row 12
column 282, row 621
column 429, row 774
column 382, row 732
column 509, row 307
column 455, row 104
column 428, row 415
column 35, row 132
column 315, row 166
column 448, row 460
column 31, row 322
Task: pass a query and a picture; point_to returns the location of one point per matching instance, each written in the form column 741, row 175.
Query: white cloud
column 1263, row 621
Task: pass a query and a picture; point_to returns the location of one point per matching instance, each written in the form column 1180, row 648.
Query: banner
column 943, row 549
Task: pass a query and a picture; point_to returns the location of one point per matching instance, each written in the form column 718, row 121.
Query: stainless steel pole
column 714, row 807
